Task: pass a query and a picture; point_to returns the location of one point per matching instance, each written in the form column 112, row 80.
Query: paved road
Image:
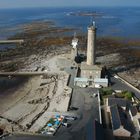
column 73, row 72
column 88, row 108
column 120, row 85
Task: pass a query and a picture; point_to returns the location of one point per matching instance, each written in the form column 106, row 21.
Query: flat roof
column 104, row 80
column 80, row 79
column 84, row 66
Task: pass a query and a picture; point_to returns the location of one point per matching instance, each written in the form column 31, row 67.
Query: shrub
column 128, row 95
column 106, row 91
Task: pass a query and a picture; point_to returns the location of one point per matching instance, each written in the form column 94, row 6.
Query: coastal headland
column 45, row 49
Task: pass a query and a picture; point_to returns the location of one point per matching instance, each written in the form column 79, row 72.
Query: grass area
column 106, row 92
column 125, row 94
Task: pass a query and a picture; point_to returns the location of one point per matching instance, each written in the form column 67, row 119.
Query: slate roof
column 116, row 122
column 119, row 118
column 118, row 101
column 133, row 110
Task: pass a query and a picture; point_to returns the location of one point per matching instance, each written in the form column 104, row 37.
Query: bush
column 128, row 95
column 106, row 91
column 125, row 94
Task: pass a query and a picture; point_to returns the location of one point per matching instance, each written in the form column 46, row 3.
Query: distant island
column 94, row 14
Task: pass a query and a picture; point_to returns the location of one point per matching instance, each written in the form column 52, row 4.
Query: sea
column 121, row 22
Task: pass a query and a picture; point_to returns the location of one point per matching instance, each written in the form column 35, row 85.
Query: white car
column 98, row 86
column 116, row 76
column 94, row 95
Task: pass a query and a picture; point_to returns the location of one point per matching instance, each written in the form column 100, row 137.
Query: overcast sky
column 62, row 3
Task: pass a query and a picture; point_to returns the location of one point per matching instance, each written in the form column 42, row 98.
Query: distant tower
column 74, row 50
column 91, row 44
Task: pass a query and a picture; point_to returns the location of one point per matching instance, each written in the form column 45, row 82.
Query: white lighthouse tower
column 91, row 44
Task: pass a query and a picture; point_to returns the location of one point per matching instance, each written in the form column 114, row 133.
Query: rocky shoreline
column 44, row 39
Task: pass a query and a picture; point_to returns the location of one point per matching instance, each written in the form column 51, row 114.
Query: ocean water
column 116, row 21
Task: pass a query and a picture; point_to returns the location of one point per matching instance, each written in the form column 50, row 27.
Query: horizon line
column 113, row 6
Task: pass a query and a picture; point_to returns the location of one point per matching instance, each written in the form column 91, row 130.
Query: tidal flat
column 44, row 39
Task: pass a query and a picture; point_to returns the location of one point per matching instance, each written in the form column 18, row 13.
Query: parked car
column 98, row 86
column 70, row 118
column 95, row 95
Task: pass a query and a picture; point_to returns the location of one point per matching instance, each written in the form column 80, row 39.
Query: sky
column 66, row 3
